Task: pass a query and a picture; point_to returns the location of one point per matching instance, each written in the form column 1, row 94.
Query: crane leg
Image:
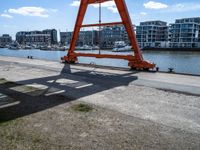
column 136, row 61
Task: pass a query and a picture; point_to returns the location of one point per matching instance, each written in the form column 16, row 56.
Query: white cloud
column 105, row 4
column 143, row 13
column 32, row 11
column 75, row 3
column 6, row 16
column 155, row 5
column 113, row 9
column 110, row 5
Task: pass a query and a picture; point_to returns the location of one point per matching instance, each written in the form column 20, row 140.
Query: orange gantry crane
column 136, row 61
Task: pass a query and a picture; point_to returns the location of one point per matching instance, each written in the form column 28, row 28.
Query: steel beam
column 97, row 1
column 78, row 24
column 123, row 11
column 125, row 57
column 102, row 24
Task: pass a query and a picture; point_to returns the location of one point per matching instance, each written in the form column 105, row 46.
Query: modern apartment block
column 65, row 38
column 110, row 35
column 39, row 38
column 185, row 33
column 152, row 34
column 5, row 39
column 53, row 34
column 85, row 38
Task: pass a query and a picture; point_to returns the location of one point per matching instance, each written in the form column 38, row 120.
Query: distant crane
column 136, row 61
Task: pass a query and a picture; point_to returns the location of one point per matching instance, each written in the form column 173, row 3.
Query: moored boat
column 120, row 46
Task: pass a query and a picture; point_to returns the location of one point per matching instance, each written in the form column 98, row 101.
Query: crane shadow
column 20, row 99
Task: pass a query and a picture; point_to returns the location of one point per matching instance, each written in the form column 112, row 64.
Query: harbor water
column 182, row 62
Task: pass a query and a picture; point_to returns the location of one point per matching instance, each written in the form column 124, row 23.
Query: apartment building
column 53, row 34
column 40, row 38
column 185, row 33
column 85, row 38
column 5, row 39
column 152, row 34
column 110, row 35
column 65, row 38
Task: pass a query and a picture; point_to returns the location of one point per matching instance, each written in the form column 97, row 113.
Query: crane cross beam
column 97, row 1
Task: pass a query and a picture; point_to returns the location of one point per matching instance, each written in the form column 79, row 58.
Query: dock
column 161, row 110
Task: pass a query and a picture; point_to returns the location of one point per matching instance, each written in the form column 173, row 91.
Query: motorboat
column 121, row 46
column 84, row 47
column 14, row 46
column 45, row 48
column 122, row 49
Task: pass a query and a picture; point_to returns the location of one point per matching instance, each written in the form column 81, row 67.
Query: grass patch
column 82, row 107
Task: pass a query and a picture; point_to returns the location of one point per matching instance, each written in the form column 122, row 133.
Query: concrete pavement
column 168, row 99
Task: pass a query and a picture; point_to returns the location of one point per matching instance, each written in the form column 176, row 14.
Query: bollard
column 157, row 69
column 171, row 70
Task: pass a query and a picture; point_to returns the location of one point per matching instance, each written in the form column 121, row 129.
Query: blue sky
column 25, row 15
